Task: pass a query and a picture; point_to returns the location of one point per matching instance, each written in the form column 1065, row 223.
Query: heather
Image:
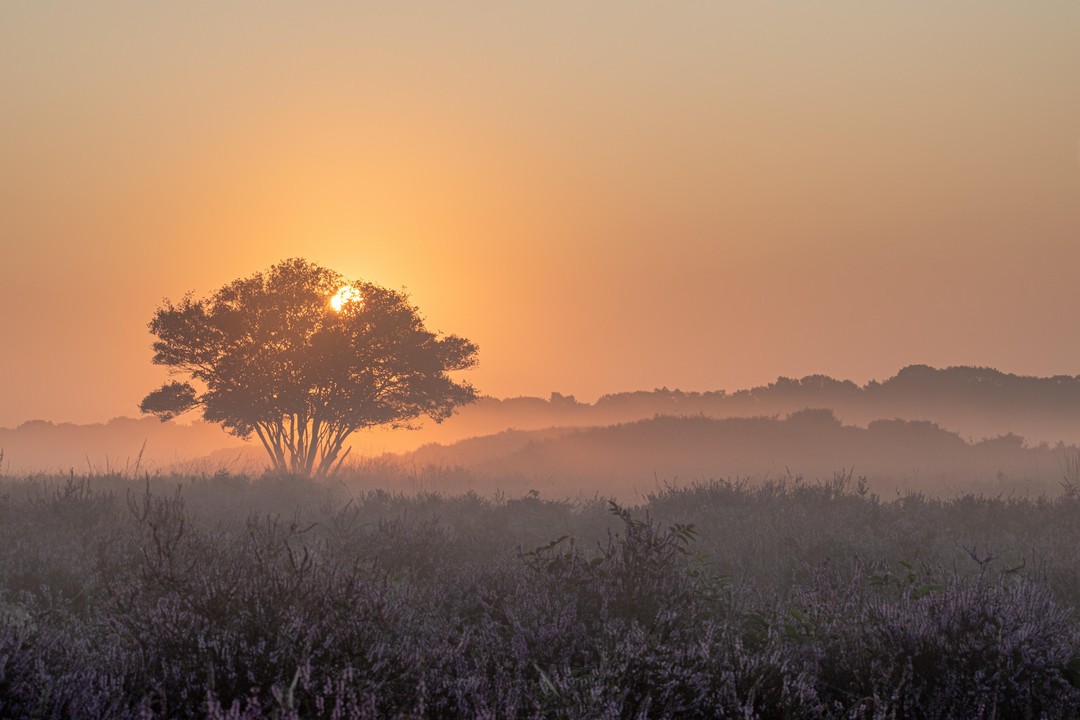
column 236, row 597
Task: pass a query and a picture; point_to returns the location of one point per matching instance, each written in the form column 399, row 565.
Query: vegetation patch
column 231, row 597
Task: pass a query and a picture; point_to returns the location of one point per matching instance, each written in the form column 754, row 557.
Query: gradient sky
column 605, row 196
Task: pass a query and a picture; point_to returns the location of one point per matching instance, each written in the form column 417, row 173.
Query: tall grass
column 233, row 597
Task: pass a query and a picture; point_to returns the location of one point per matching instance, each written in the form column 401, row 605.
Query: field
column 228, row 596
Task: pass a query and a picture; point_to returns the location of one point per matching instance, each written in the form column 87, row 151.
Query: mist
column 590, row 361
column 934, row 431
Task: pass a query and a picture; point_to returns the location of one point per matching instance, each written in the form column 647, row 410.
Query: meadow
column 235, row 596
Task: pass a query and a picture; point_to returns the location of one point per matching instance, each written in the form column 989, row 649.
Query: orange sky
column 605, row 196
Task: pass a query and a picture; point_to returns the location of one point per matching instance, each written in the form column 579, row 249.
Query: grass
column 229, row 596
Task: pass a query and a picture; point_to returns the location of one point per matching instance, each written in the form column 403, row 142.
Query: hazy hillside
column 116, row 446
column 973, row 402
column 892, row 454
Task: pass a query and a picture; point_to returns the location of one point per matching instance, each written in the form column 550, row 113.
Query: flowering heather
column 722, row 600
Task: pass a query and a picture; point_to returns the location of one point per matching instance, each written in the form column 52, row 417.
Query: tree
column 301, row 358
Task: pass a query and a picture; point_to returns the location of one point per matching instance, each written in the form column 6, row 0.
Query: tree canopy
column 271, row 356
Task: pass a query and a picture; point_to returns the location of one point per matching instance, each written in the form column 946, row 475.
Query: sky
column 605, row 196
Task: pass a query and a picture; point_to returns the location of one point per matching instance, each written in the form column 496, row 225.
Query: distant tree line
column 976, row 402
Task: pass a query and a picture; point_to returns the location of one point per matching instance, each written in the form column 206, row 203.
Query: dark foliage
column 230, row 598
column 275, row 360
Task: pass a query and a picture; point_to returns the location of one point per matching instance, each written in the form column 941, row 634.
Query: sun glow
column 346, row 294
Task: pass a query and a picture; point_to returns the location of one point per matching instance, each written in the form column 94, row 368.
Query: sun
column 347, row 294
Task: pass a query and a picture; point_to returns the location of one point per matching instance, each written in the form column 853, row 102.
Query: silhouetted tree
column 271, row 356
